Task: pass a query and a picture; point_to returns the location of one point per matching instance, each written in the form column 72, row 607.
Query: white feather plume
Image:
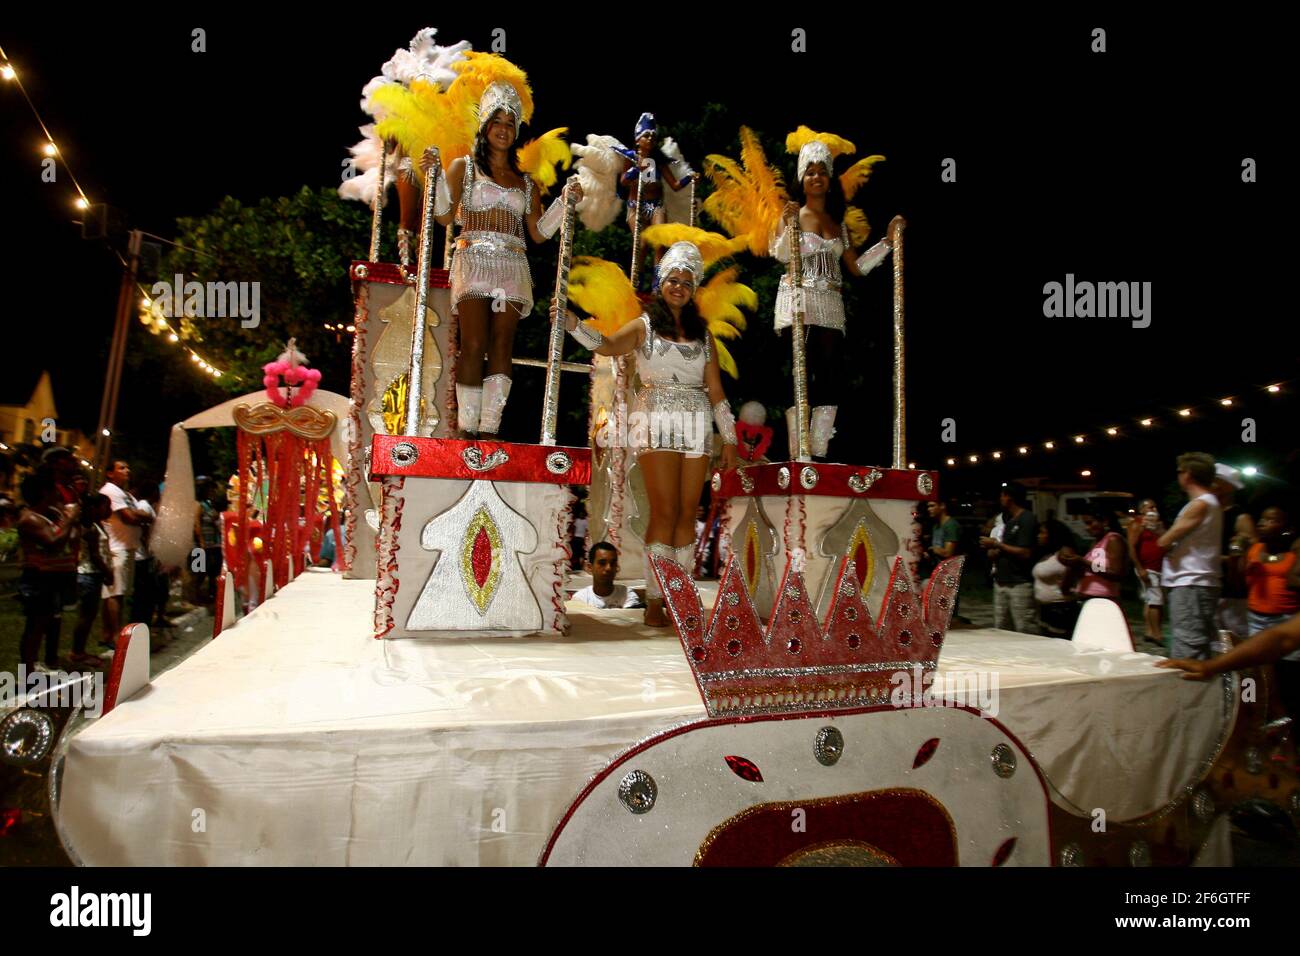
column 424, row 60
column 677, row 204
column 598, row 167
column 365, row 159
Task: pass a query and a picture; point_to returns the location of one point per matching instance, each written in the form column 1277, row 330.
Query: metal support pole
column 432, row 168
column 896, row 228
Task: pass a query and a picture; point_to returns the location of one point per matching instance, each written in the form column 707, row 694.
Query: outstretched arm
column 625, row 340
column 1267, row 646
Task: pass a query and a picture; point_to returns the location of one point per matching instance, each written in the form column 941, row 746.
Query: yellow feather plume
column 425, row 116
column 749, row 195
column 712, row 245
column 839, row 146
column 719, row 301
column 603, row 290
column 538, row 157
column 855, row 221
column 853, row 178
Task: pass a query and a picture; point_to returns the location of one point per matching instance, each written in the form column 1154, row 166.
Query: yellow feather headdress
column 712, row 245
column 838, row 145
column 749, row 194
column 480, row 70
column 815, row 147
column 426, row 115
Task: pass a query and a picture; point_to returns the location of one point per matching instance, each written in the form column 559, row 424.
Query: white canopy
column 173, row 534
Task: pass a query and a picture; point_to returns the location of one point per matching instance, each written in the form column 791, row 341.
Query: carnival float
column 438, row 699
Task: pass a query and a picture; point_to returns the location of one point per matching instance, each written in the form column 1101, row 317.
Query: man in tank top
column 1191, row 571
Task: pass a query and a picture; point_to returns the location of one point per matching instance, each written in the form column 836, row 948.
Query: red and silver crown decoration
column 795, row 663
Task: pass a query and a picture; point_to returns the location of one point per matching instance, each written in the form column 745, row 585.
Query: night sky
column 1122, row 166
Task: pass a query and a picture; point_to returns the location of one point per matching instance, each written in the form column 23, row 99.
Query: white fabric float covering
column 305, row 741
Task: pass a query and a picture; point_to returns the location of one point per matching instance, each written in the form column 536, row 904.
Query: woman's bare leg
column 695, row 472
column 663, row 477
column 472, row 329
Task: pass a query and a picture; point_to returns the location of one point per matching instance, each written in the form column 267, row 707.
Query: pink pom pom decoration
column 306, row 380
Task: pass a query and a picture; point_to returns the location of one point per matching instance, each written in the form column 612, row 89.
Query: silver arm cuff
column 588, row 337
column 550, row 220
column 873, row 256
column 725, row 421
column 441, row 196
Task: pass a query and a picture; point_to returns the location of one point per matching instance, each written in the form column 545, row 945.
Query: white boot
column 469, row 399
column 496, row 389
column 652, row 590
column 686, row 558
column 823, row 429
column 792, row 431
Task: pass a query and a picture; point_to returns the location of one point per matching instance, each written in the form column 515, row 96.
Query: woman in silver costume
column 824, row 245
column 680, row 398
column 491, row 288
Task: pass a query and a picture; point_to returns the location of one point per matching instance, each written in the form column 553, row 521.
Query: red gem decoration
column 925, row 752
column 860, row 563
column 1004, row 852
column 698, row 653
column 744, row 769
column 481, row 557
column 733, row 647
column 855, row 641
column 794, row 645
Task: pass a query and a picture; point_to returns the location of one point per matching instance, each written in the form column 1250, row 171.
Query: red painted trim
column 119, row 662
column 671, row 732
column 832, row 482
column 442, row 458
column 219, row 612
column 390, row 273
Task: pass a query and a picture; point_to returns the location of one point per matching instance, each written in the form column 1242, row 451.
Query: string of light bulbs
column 1108, row 432
column 81, row 201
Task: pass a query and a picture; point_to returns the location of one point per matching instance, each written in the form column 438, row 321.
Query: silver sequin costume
column 490, row 252
column 672, row 411
column 822, row 279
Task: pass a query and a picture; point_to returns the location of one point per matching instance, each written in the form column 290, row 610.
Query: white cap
column 1229, row 474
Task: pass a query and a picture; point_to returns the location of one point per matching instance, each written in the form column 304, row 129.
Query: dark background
column 1122, row 166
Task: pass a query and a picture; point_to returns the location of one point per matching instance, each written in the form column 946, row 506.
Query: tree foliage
column 298, row 249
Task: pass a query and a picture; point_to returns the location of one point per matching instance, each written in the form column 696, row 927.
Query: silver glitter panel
column 879, row 667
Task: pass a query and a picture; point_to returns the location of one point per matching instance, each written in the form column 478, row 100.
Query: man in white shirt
column 1191, row 570
column 603, row 593
column 125, row 527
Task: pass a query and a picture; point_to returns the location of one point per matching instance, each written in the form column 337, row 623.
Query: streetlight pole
column 116, row 355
